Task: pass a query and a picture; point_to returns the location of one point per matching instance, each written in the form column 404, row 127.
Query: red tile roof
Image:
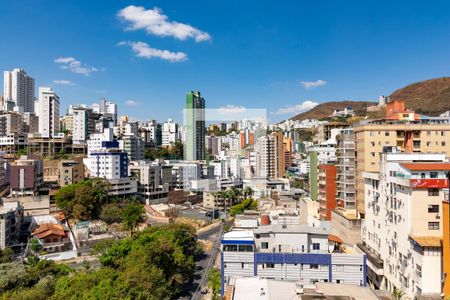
column 335, row 238
column 48, row 229
column 435, row 166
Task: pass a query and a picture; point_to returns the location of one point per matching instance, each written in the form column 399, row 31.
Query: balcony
column 372, row 258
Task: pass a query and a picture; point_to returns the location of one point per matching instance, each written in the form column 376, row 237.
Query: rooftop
column 427, row 241
column 279, row 228
column 427, row 166
column 242, row 235
column 47, row 229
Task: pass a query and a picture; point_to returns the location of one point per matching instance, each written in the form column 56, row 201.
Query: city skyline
column 282, row 64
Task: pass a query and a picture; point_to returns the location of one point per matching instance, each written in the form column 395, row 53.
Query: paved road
column 205, row 264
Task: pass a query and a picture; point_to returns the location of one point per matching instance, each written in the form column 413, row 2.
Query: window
column 338, row 267
column 372, row 154
column 443, row 144
column 270, row 266
column 433, row 208
column 433, row 174
column 386, row 133
column 433, row 225
column 433, row 192
column 264, row 245
column 316, row 246
column 372, row 144
column 314, row 266
column 422, row 175
column 232, row 248
column 416, row 144
column 428, row 144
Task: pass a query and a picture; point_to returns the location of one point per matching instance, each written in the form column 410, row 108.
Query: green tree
column 64, row 198
column 133, row 215
column 6, row 255
column 111, row 213
column 214, row 281
column 22, row 152
column 35, row 245
column 397, row 294
column 248, row 204
column 248, row 192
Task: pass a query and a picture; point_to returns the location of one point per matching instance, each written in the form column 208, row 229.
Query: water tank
column 265, row 220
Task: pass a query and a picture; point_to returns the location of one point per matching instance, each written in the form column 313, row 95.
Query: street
column 205, row 264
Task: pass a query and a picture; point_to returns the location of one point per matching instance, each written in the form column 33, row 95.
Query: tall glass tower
column 194, row 148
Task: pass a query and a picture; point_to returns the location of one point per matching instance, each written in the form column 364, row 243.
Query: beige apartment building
column 431, row 135
column 403, row 225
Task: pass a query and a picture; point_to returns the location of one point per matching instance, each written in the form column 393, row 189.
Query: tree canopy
column 156, row 263
column 248, row 204
column 84, row 199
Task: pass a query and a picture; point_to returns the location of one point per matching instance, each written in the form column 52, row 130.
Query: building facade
column 18, row 89
column 402, row 230
column 195, row 127
column 48, row 112
column 288, row 252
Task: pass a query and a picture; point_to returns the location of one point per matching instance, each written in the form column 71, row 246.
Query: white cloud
column 131, row 103
column 75, row 66
column 153, row 21
column 313, row 84
column 296, row 109
column 63, row 82
column 144, row 50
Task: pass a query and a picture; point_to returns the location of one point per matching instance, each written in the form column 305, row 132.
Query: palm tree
column 248, row 192
column 397, row 294
column 235, row 194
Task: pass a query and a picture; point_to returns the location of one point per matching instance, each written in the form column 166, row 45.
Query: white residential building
column 97, row 141
column 266, row 156
column 150, row 187
column 18, row 88
column 79, row 125
column 48, row 112
column 289, row 252
column 169, row 133
column 108, row 163
column 402, row 229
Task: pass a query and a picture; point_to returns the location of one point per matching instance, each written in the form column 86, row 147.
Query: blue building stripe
column 364, row 271
column 222, row 275
column 330, row 273
column 236, row 242
column 293, row 258
column 255, row 271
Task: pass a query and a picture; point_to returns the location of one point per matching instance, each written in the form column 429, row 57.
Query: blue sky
column 237, row 53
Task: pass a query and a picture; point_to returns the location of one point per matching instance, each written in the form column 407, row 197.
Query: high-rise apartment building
column 346, row 169
column 48, row 112
column 10, row 122
column 169, row 133
column 266, row 156
column 133, row 145
column 80, row 132
column 402, row 229
column 108, row 109
column 18, row 88
column 279, row 153
column 327, row 191
column 431, row 135
column 30, row 122
column 195, row 127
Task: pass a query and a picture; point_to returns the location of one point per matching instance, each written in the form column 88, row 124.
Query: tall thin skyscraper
column 195, row 127
column 48, row 112
column 18, row 88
